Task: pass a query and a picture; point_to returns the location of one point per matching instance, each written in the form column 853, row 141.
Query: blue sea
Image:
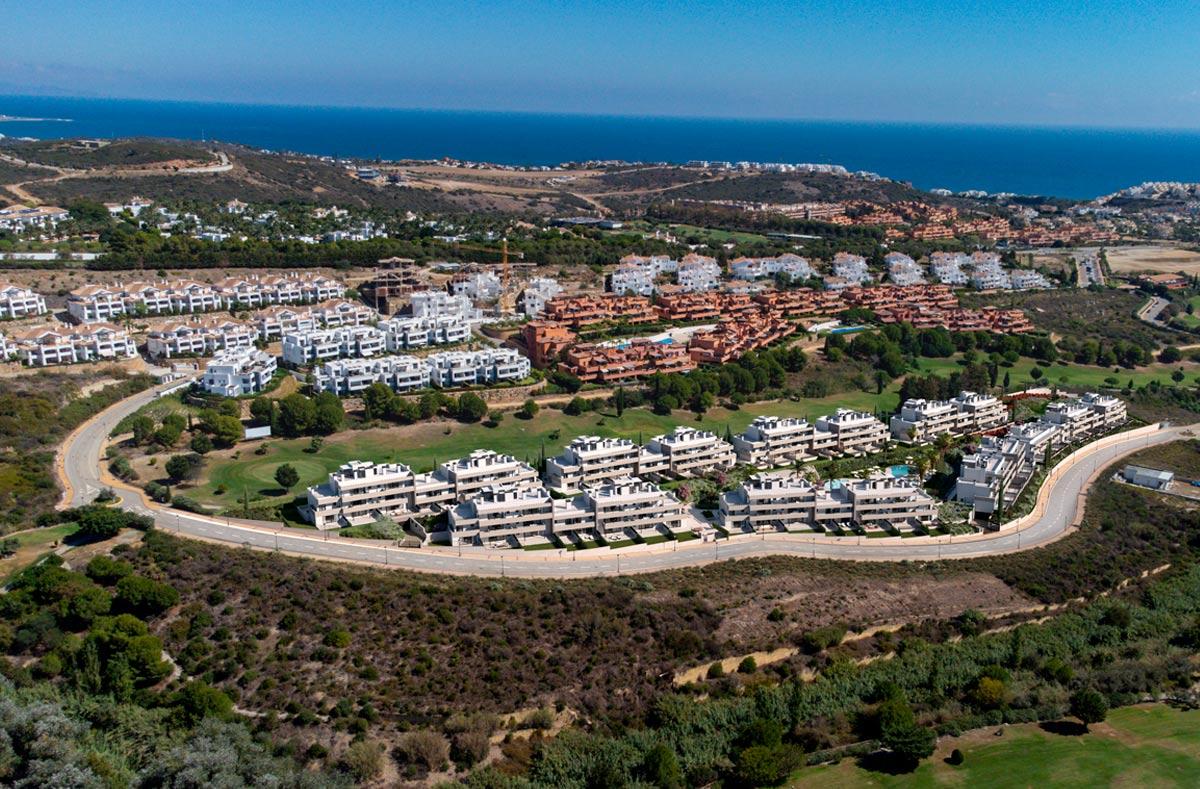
column 1065, row 162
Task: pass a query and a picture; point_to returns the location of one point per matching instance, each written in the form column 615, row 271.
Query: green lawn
column 1139, row 746
column 1191, row 320
column 1075, row 375
column 423, row 446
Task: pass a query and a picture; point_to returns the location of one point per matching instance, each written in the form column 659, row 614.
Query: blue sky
column 1098, row 63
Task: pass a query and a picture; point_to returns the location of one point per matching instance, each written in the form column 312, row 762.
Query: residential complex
column 43, row 346
column 690, row 451
column 360, row 492
column 537, row 292
column 636, row 275
column 992, row 478
column 793, row 266
column 199, row 337
column 440, row 304
column 625, row 362
column 787, row 502
column 238, row 372
column 579, row 311
column 698, row 273
column 851, row 268
column 903, row 270
column 311, row 347
column 18, row 302
column 92, row 303
column 404, row 334
column 20, row 219
column 983, row 271
column 407, row 373
column 501, row 515
column 477, row 286
column 921, row 421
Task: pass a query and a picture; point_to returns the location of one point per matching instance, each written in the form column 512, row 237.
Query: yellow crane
column 508, row 299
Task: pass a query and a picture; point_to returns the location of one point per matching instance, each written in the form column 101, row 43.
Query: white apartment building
column 537, row 292
column 691, row 452
column 346, row 377
column 1002, row 467
column 18, row 302
column 339, row 312
column 477, row 286
column 946, row 268
column 794, row 266
column 903, row 270
column 786, row 502
column 43, row 346
column 21, row 218
column 273, row 322
column 622, row 505
column 199, row 338
column 988, row 274
column 360, row 492
column 588, row 460
column 161, row 298
column 439, row 304
column 238, row 372
column 501, row 513
column 402, row 334
column 96, row 303
column 851, row 268
column 697, row 273
column 292, row 288
column 630, row 279
column 466, row 368
column 920, row 421
column 7, row 349
column 854, row 432
column 1023, row 279
column 305, row 348
column 774, row 441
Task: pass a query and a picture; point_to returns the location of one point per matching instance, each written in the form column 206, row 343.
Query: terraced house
column 786, row 502
column 346, row 377
column 44, row 346
column 238, row 372
column 920, row 421
column 305, row 348
column 992, row 479
column 199, row 337
column 360, row 492
column 690, row 452
column 18, row 302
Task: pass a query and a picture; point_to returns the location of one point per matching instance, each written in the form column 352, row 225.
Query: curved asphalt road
column 81, row 460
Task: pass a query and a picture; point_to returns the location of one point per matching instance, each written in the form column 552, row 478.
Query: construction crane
column 508, row 299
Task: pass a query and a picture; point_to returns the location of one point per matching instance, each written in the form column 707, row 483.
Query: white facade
column 304, row 348
column 21, row 218
column 465, row 368
column 346, row 377
column 43, row 346
column 786, row 502
column 402, row 334
column 440, row 304
column 920, row 421
column 854, row 432
column 477, row 286
column 199, row 338
column 360, row 492
column 635, row 275
column 537, row 292
column 794, row 266
column 946, row 268
column 690, row 452
column 239, row 372
column 903, row 270
column 18, row 302
column 697, row 273
column 852, row 268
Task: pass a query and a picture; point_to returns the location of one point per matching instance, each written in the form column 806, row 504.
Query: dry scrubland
column 1153, row 258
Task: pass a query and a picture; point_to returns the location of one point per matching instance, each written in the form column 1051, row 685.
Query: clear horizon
column 585, row 114
column 1120, row 64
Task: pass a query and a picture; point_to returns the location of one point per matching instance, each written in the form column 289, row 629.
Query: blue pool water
column 898, row 471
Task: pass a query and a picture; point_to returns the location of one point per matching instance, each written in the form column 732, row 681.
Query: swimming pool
column 899, row 471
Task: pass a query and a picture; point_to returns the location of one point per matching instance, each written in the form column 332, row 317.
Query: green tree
column 201, row 444
column 900, row 733
column 529, row 409
column 143, row 596
column 377, row 401
column 328, row 413
column 262, row 411
column 471, row 407
column 198, row 700
column 99, row 523
column 1089, row 706
column 227, row 430
column 661, row 768
column 287, row 476
column 142, row 427
column 296, row 415
column 183, row 467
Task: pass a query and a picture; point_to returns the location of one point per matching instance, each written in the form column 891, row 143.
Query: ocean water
column 1066, row 162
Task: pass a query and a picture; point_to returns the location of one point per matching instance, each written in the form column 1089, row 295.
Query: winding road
column 1058, row 509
